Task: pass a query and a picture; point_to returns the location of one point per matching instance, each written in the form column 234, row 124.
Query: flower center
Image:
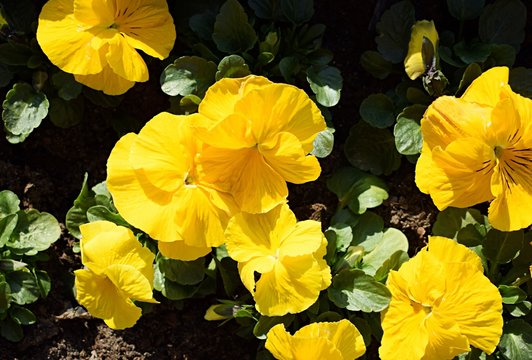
column 113, row 26
column 427, row 309
column 190, row 180
column 498, row 150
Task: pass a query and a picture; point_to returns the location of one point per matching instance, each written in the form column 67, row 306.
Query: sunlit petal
column 178, row 250
column 414, row 65
column 107, row 81
column 486, row 89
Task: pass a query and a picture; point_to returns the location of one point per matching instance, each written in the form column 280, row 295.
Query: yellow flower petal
column 424, row 169
column 94, row 12
column 125, row 60
column 285, row 155
column 147, row 25
column 60, row 38
column 247, row 270
column 453, row 252
column 103, row 300
column 446, row 339
column 233, row 132
column 179, row 250
column 131, row 282
column 461, row 173
column 107, row 81
column 486, row 89
column 278, row 108
column 304, row 238
column 414, row 65
column 512, row 208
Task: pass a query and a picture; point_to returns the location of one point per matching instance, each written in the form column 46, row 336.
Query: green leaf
column 12, row 53
column 323, row 143
column 394, row 31
column 20, row 14
column 521, row 309
column 377, row 110
column 356, row 291
column 372, row 149
column 393, row 240
column 326, row 82
column 357, row 189
column 232, row 66
column 203, row 24
column 501, row 247
column 475, row 52
column 35, row 231
column 368, row 231
column 232, row 31
column 516, row 340
column 465, row 9
column 229, row 274
column 289, row 66
column 100, row 212
column 265, row 323
column 182, row 272
column 77, row 215
column 512, row 294
column 188, row 75
column 394, row 262
column 9, row 203
column 65, row 114
column 7, row 265
column 5, row 75
column 11, row 330
column 408, row 137
column 297, row 11
column 67, row 87
column 375, row 64
column 5, row 292
column 503, row 22
column 472, row 72
column 22, row 315
column 418, row 97
column 450, row 221
column 7, row 225
column 521, row 81
column 344, row 235
column 501, row 55
column 24, row 289
column 266, row 9
column 23, row 111
column 43, row 282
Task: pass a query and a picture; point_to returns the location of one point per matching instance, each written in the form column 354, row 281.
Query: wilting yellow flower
column 479, row 148
column 157, row 186
column 414, row 64
column 339, row 340
column 441, row 304
column 288, row 255
column 260, row 135
column 118, row 270
column 96, row 39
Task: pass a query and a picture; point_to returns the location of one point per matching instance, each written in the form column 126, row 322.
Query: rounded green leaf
column 375, row 64
column 372, row 149
column 22, row 315
column 182, row 272
column 11, row 330
column 65, row 114
column 393, row 240
column 67, row 87
column 23, row 109
column 232, row 66
column 377, row 110
column 521, row 81
column 232, row 31
column 297, row 11
column 503, row 22
column 408, row 137
column 516, row 340
column 512, row 294
column 35, row 231
column 394, row 31
column 9, row 203
column 465, row 9
column 323, row 143
column 356, row 291
column 470, row 73
column 326, row 82
column 188, row 75
column 24, row 288
column 502, row 247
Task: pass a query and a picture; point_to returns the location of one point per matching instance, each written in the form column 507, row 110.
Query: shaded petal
column 279, row 343
column 179, row 250
column 147, row 25
column 475, row 304
column 449, row 118
column 302, row 239
column 342, row 335
column 414, row 65
column 125, row 61
column 140, row 203
column 233, row 132
column 291, row 287
column 404, row 336
column 107, row 81
column 449, row 251
column 282, row 108
column 103, row 300
column 65, row 40
column 247, row 270
column 130, row 282
column 461, row 174
column 255, row 186
column 486, row 89
column 95, row 12
column 220, row 98
column 424, row 169
column 446, row 341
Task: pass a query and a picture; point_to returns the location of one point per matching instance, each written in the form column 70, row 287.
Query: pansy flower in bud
column 158, row 186
column 118, row 270
column 288, row 255
column 96, row 40
column 441, row 305
column 422, row 49
column 260, row 135
column 339, row 340
column 479, row 148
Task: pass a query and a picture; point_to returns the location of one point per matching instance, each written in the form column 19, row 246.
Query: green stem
column 521, row 280
column 494, row 270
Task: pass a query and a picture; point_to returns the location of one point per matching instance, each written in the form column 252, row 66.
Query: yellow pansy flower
column 338, row 340
column 414, row 64
column 479, row 148
column 260, row 136
column 96, row 39
column 288, row 255
column 441, row 304
column 118, row 270
column 157, row 186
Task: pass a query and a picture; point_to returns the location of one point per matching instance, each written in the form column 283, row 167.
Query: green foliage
column 326, row 82
column 378, row 111
column 24, row 234
column 232, row 31
column 232, row 66
column 465, row 9
column 503, row 22
column 394, row 31
column 516, row 340
column 188, row 75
